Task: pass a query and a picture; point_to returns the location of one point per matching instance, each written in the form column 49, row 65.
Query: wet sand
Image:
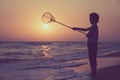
column 108, row 67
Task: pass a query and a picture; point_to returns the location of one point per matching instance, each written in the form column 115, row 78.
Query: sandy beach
column 110, row 71
column 108, row 67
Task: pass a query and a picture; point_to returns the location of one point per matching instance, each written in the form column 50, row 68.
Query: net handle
column 53, row 19
column 68, row 26
column 63, row 24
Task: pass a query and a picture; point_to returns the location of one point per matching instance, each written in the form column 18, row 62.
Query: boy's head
column 94, row 18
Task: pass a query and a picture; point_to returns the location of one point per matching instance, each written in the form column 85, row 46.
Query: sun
column 45, row 26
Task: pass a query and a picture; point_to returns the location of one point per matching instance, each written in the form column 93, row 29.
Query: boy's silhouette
column 92, row 41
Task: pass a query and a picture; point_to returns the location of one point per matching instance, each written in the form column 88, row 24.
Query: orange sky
column 21, row 19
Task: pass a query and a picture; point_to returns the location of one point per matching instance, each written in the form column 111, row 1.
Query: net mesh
column 47, row 17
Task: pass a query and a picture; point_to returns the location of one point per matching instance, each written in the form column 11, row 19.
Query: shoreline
column 108, row 67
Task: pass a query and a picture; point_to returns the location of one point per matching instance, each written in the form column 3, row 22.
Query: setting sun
column 45, row 26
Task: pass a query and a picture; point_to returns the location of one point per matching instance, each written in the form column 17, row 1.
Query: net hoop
column 47, row 17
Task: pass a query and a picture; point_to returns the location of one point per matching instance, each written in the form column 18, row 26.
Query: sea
column 42, row 60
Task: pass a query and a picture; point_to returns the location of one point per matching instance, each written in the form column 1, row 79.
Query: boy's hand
column 75, row 28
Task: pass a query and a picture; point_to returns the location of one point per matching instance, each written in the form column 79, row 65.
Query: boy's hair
column 94, row 18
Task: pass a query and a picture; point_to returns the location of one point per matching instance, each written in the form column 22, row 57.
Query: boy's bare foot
column 93, row 75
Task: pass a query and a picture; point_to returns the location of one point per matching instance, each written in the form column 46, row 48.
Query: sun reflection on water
column 45, row 50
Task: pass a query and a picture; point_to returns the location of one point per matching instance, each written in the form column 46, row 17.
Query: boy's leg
column 92, row 58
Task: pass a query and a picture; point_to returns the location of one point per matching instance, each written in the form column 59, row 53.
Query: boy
column 92, row 41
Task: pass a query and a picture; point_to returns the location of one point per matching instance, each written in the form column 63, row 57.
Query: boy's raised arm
column 82, row 29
